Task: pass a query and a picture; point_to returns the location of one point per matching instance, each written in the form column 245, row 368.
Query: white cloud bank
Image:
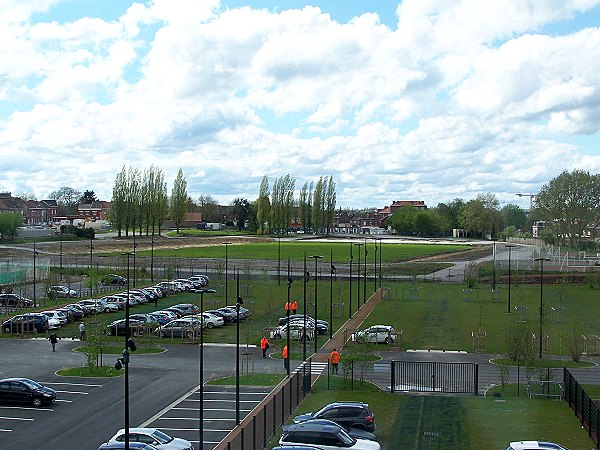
column 462, row 97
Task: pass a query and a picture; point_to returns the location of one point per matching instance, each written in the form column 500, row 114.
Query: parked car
column 117, row 328
column 167, row 287
column 295, row 447
column 57, row 315
column 177, row 311
column 297, row 332
column 326, row 435
column 348, row 414
column 159, row 439
column 160, row 318
column 149, row 296
column 211, row 320
column 376, row 334
column 187, row 327
column 187, row 308
column 145, row 318
column 202, row 279
column 119, row 301
column 227, row 316
column 534, row 445
column 76, row 306
column 26, row 323
column 15, row 301
column 187, row 284
column 25, row 391
column 113, row 280
column 76, row 313
column 121, row 445
column 93, row 305
column 61, row 292
column 244, row 312
column 68, row 312
column 322, row 325
column 230, row 312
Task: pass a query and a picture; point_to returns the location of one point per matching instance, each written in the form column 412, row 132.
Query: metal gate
column 445, row 378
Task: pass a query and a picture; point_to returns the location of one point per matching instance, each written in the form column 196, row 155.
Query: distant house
column 8, row 203
column 93, row 211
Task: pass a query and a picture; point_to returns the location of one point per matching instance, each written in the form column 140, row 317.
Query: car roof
column 525, row 445
column 315, row 425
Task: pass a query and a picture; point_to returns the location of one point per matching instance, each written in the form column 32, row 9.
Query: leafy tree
column 304, row 205
column 569, row 203
column 26, row 196
column 9, row 224
column 318, row 208
column 210, row 208
column 450, row 212
column 481, row 216
column 88, row 197
column 402, row 221
column 263, row 210
column 116, row 212
column 241, row 211
column 67, row 197
column 329, row 203
column 179, row 200
column 514, row 216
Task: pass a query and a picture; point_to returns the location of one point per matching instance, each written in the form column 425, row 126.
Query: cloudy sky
column 414, row 100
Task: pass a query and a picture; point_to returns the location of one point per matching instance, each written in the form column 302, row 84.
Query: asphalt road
column 90, row 410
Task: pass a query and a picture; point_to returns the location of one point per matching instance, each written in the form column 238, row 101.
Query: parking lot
column 88, row 411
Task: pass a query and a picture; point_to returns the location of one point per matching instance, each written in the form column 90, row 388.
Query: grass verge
column 100, row 372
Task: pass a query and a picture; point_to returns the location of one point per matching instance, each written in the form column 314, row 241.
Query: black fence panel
column 583, row 406
column 445, row 378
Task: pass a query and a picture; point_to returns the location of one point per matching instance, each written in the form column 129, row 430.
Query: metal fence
column 583, row 406
column 262, row 423
column 446, row 378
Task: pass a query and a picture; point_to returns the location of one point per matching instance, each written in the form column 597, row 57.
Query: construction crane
column 531, row 198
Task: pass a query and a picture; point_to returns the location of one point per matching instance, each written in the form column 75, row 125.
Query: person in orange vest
column 264, row 345
column 294, row 306
column 334, row 359
column 287, row 306
column 286, row 359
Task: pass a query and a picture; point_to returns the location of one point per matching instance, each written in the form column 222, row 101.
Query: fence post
column 264, row 426
column 476, row 381
column 393, row 372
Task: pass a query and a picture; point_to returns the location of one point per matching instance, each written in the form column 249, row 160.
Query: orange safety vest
column 294, row 305
column 287, row 306
column 284, row 353
column 334, row 357
column 263, row 343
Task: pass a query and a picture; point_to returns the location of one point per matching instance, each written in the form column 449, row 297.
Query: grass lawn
column 100, row 372
column 297, row 250
column 445, row 422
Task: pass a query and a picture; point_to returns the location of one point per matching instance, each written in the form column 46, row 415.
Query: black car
column 26, row 323
column 113, row 280
column 228, row 316
column 117, row 328
column 15, row 301
column 327, row 433
column 348, row 414
column 25, row 391
column 322, row 326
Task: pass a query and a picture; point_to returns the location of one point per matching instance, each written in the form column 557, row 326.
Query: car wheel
column 163, row 334
column 6, row 329
column 36, row 401
column 106, row 310
column 210, row 325
column 189, row 334
column 135, row 332
column 387, row 340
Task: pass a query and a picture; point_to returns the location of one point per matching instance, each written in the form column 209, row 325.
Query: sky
column 415, row 100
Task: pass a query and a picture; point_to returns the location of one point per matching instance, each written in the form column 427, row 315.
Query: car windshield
column 162, row 437
column 31, row 384
column 346, row 438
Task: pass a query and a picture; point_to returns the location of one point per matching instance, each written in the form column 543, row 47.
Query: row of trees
column 275, row 210
column 9, row 224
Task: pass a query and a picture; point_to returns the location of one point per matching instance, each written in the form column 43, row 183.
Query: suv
column 327, row 435
column 347, row 414
column 61, row 292
column 113, row 280
column 26, row 323
column 15, row 300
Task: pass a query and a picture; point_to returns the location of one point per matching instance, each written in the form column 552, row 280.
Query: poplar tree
column 179, row 200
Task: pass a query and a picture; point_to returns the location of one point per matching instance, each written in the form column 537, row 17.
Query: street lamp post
column 226, row 244
column 125, row 359
column 541, row 260
column 350, row 294
column 316, row 258
column 279, row 261
column 134, row 266
column 201, row 371
column 238, row 303
column 35, row 253
column 61, row 255
column 152, row 258
column 380, row 267
column 365, row 274
column 358, row 244
column 494, row 265
column 287, row 315
column 375, row 263
column 332, row 273
column 305, row 276
column 509, row 247
column 91, row 252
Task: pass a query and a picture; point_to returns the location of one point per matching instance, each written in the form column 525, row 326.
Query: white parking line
column 167, row 408
column 64, row 401
column 16, row 418
column 210, row 409
column 72, row 392
column 76, row 384
column 3, row 430
column 25, row 407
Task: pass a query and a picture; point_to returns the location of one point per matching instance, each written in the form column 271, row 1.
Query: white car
column 375, row 334
column 157, row 438
column 534, row 445
column 296, row 332
column 61, row 291
column 325, row 435
column 93, row 305
column 210, row 320
column 56, row 315
column 53, row 324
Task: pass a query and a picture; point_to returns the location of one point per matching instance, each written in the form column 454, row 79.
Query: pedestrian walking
column 53, row 341
column 294, row 306
column 82, row 331
column 286, row 359
column 334, row 359
column 264, row 345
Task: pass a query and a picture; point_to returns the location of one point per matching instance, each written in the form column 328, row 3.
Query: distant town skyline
column 410, row 100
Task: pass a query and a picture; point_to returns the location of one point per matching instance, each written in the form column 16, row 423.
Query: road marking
column 3, row 430
column 25, row 407
column 72, row 392
column 64, row 401
column 168, row 407
column 17, row 418
column 75, row 384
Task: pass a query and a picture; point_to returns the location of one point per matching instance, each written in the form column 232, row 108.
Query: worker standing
column 334, row 359
column 287, row 306
column 294, row 306
column 286, row 359
column 264, row 345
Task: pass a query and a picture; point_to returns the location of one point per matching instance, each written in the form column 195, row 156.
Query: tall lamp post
column 331, row 274
column 509, row 247
column 365, row 274
column 238, row 303
column 35, row 253
column 305, row 281
column 226, row 244
column 201, row 371
column 350, row 294
column 91, row 252
column 316, row 258
column 134, row 266
column 494, row 264
column 358, row 244
column 380, row 267
column 279, row 261
column 61, row 254
column 541, row 260
column 375, row 263
column 152, row 258
column 287, row 315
